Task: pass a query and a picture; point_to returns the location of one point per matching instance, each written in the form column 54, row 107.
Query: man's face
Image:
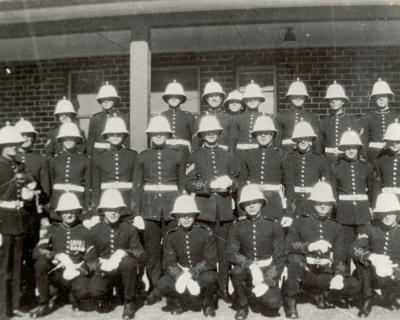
column 115, row 139
column 214, row 100
column 210, row 137
column 65, row 117
column 252, row 208
column 252, row 103
column 382, row 101
column 394, row 146
column 323, row 208
column 69, row 143
column 10, row 150
column 174, row 101
column 186, row 221
column 68, row 217
column 304, row 144
column 264, row 137
column 350, row 152
column 111, row 215
column 29, row 138
column 297, row 101
column 336, row 104
column 389, row 219
column 234, row 106
column 107, row 104
column 159, row 139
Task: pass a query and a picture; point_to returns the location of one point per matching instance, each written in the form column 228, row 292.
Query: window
column 188, row 76
column 265, row 78
column 83, row 88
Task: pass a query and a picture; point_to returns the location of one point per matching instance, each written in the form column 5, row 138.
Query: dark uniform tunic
column 183, row 126
column 195, row 249
column 103, row 240
column 378, row 238
column 53, row 145
column 54, row 240
column 387, row 175
column 205, row 165
column 159, row 176
column 374, row 125
column 286, row 122
column 252, row 239
column 243, row 139
column 113, row 169
column 264, row 166
column 69, row 172
column 331, row 129
column 96, row 142
column 302, row 171
column 316, row 269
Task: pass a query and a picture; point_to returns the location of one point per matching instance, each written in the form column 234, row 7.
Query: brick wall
column 33, row 88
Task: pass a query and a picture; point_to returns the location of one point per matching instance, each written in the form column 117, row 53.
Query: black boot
column 320, row 301
column 290, row 308
column 41, row 311
column 209, row 312
column 365, row 308
column 177, row 308
column 129, row 311
column 153, row 297
column 242, row 314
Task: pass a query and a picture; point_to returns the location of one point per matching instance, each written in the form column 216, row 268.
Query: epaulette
column 172, row 230
column 270, row 219
column 202, row 226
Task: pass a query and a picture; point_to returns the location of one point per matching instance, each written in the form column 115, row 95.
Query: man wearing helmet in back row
column 158, row 178
column 316, row 254
column 182, row 122
column 109, row 100
column 59, row 257
column 114, row 251
column 64, row 112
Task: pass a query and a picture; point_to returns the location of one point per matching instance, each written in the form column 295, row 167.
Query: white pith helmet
column 303, row 129
column 322, row 192
column 184, row 204
column 174, row 88
column 262, row 124
column 212, row 87
column 297, row 88
column 253, row 90
column 111, row 199
column 381, row 87
column 68, row 201
column 251, row 192
column 387, row 202
column 69, row 129
column 350, row 138
column 336, row 91
column 209, row 123
column 115, row 125
column 10, row 135
column 25, row 126
column 393, row 131
column 159, row 124
column 107, row 91
column 64, row 106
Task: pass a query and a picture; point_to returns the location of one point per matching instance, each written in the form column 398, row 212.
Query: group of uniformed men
column 236, row 195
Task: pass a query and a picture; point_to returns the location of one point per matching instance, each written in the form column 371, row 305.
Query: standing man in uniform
column 297, row 94
column 375, row 123
column 256, row 250
column 211, row 175
column 316, row 249
column 109, row 100
column 333, row 126
column 159, row 176
column 189, row 259
column 183, row 123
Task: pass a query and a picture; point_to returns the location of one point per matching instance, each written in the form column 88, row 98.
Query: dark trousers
column 220, row 230
column 242, row 282
column 101, row 283
column 77, row 287
column 208, row 288
column 315, row 279
column 10, row 274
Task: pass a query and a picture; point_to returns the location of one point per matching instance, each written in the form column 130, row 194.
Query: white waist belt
column 287, row 141
column 178, row 142
column 247, row 146
column 391, row 190
column 116, row 185
column 10, row 204
column 68, row 187
column 332, row 150
column 160, row 187
column 263, row 263
column 376, row 145
column 303, row 189
column 223, row 147
column 102, row 145
column 270, row 187
column 353, row 197
column 318, row 261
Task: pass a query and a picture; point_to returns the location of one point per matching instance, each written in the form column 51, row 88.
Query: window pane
column 187, row 76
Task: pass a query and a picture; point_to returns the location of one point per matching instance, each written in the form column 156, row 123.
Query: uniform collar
column 212, row 111
column 338, row 114
column 211, row 147
column 379, row 111
column 254, row 218
column 294, row 108
column 174, row 110
column 386, row 228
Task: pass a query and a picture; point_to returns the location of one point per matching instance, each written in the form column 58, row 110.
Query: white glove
column 90, row 223
column 193, row 287
column 379, row 259
column 385, row 270
column 256, row 274
column 27, row 193
column 106, row 265
column 44, row 222
column 138, row 223
column 286, row 222
column 115, row 259
column 215, row 184
column 226, row 182
column 260, row 289
column 70, row 274
column 181, row 282
column 63, row 260
column 320, row 245
column 337, row 282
